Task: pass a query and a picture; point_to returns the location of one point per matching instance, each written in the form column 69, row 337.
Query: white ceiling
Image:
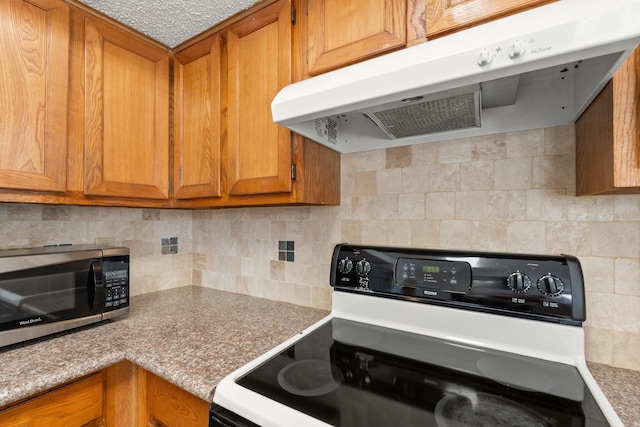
column 170, row 22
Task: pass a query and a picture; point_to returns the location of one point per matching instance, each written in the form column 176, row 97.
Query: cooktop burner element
column 310, row 377
column 481, row 409
column 432, row 338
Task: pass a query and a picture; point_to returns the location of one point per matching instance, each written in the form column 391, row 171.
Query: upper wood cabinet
column 126, row 115
column 34, row 78
column 198, row 97
column 446, row 16
column 228, row 151
column 343, row 32
column 608, row 136
column 258, row 65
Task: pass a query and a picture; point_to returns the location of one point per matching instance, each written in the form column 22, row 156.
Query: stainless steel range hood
column 536, row 69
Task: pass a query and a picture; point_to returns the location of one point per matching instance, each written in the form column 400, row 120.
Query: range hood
column 535, row 69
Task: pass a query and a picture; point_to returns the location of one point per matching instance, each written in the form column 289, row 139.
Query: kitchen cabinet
column 167, row 405
column 79, row 403
column 340, row 33
column 445, row 16
column 34, row 78
column 608, row 136
column 228, row 151
column 126, row 114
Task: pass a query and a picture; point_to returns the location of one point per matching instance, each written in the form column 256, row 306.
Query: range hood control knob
column 485, row 57
column 516, row 49
column 518, row 282
column 363, row 267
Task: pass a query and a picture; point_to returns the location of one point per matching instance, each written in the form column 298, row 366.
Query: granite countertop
column 190, row 336
column 193, row 337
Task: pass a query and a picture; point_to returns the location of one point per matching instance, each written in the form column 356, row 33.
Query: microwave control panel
column 115, row 272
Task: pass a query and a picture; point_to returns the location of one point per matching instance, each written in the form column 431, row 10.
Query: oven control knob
column 518, row 282
column 345, row 265
column 363, row 267
column 550, row 285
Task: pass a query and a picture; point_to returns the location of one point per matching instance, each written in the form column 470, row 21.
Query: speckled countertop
column 190, row 336
column 193, row 337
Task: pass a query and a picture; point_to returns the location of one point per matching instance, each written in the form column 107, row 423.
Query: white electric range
column 420, row 337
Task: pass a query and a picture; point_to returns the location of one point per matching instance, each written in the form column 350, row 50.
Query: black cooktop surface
column 352, row 374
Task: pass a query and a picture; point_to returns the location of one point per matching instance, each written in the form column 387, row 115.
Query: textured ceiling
column 170, row 22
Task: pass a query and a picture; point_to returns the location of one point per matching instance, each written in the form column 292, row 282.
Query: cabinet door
column 197, row 124
column 446, row 16
column 77, row 404
column 343, row 32
column 167, row 405
column 126, row 115
column 34, row 74
column 258, row 55
column 608, row 136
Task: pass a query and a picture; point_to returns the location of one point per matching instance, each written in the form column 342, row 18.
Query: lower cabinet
column 79, row 403
column 122, row 395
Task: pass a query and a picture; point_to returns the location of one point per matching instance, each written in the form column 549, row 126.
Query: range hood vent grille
column 420, row 117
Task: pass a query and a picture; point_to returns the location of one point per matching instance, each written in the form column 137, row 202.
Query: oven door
column 47, row 293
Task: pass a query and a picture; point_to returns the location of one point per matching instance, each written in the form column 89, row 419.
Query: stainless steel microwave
column 52, row 289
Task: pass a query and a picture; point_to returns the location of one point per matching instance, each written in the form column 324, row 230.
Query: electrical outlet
column 104, row 241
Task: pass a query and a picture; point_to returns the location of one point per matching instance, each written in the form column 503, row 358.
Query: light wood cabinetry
column 126, row 115
column 338, row 33
column 258, row 49
column 79, row 403
column 228, row 151
column 167, row 405
column 341, row 33
column 446, row 16
column 122, row 395
column 34, row 78
column 608, row 136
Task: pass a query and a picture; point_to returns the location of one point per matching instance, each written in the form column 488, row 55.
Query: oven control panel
column 541, row 287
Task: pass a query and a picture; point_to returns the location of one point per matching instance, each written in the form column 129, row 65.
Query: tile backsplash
column 511, row 192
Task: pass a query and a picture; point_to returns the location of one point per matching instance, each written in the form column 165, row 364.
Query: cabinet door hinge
column 293, row 172
column 293, row 15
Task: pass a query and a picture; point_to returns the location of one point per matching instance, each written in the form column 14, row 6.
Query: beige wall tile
column 416, row 179
column 615, row 239
column 547, row 205
column 489, row 236
column 528, row 143
column 455, row 234
column 511, row 174
column 411, row 206
column 556, row 171
column 511, row 192
column 598, row 274
column 628, row 358
column 599, row 344
column 444, row 177
column 425, row 234
column 398, row 157
column 477, row 175
column 627, row 276
column 472, row 205
column 526, row 237
column 559, row 140
column 440, row 205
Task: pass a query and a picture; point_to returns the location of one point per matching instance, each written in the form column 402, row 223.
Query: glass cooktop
column 352, row 374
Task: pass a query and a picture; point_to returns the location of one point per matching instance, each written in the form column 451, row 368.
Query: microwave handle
column 94, row 284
